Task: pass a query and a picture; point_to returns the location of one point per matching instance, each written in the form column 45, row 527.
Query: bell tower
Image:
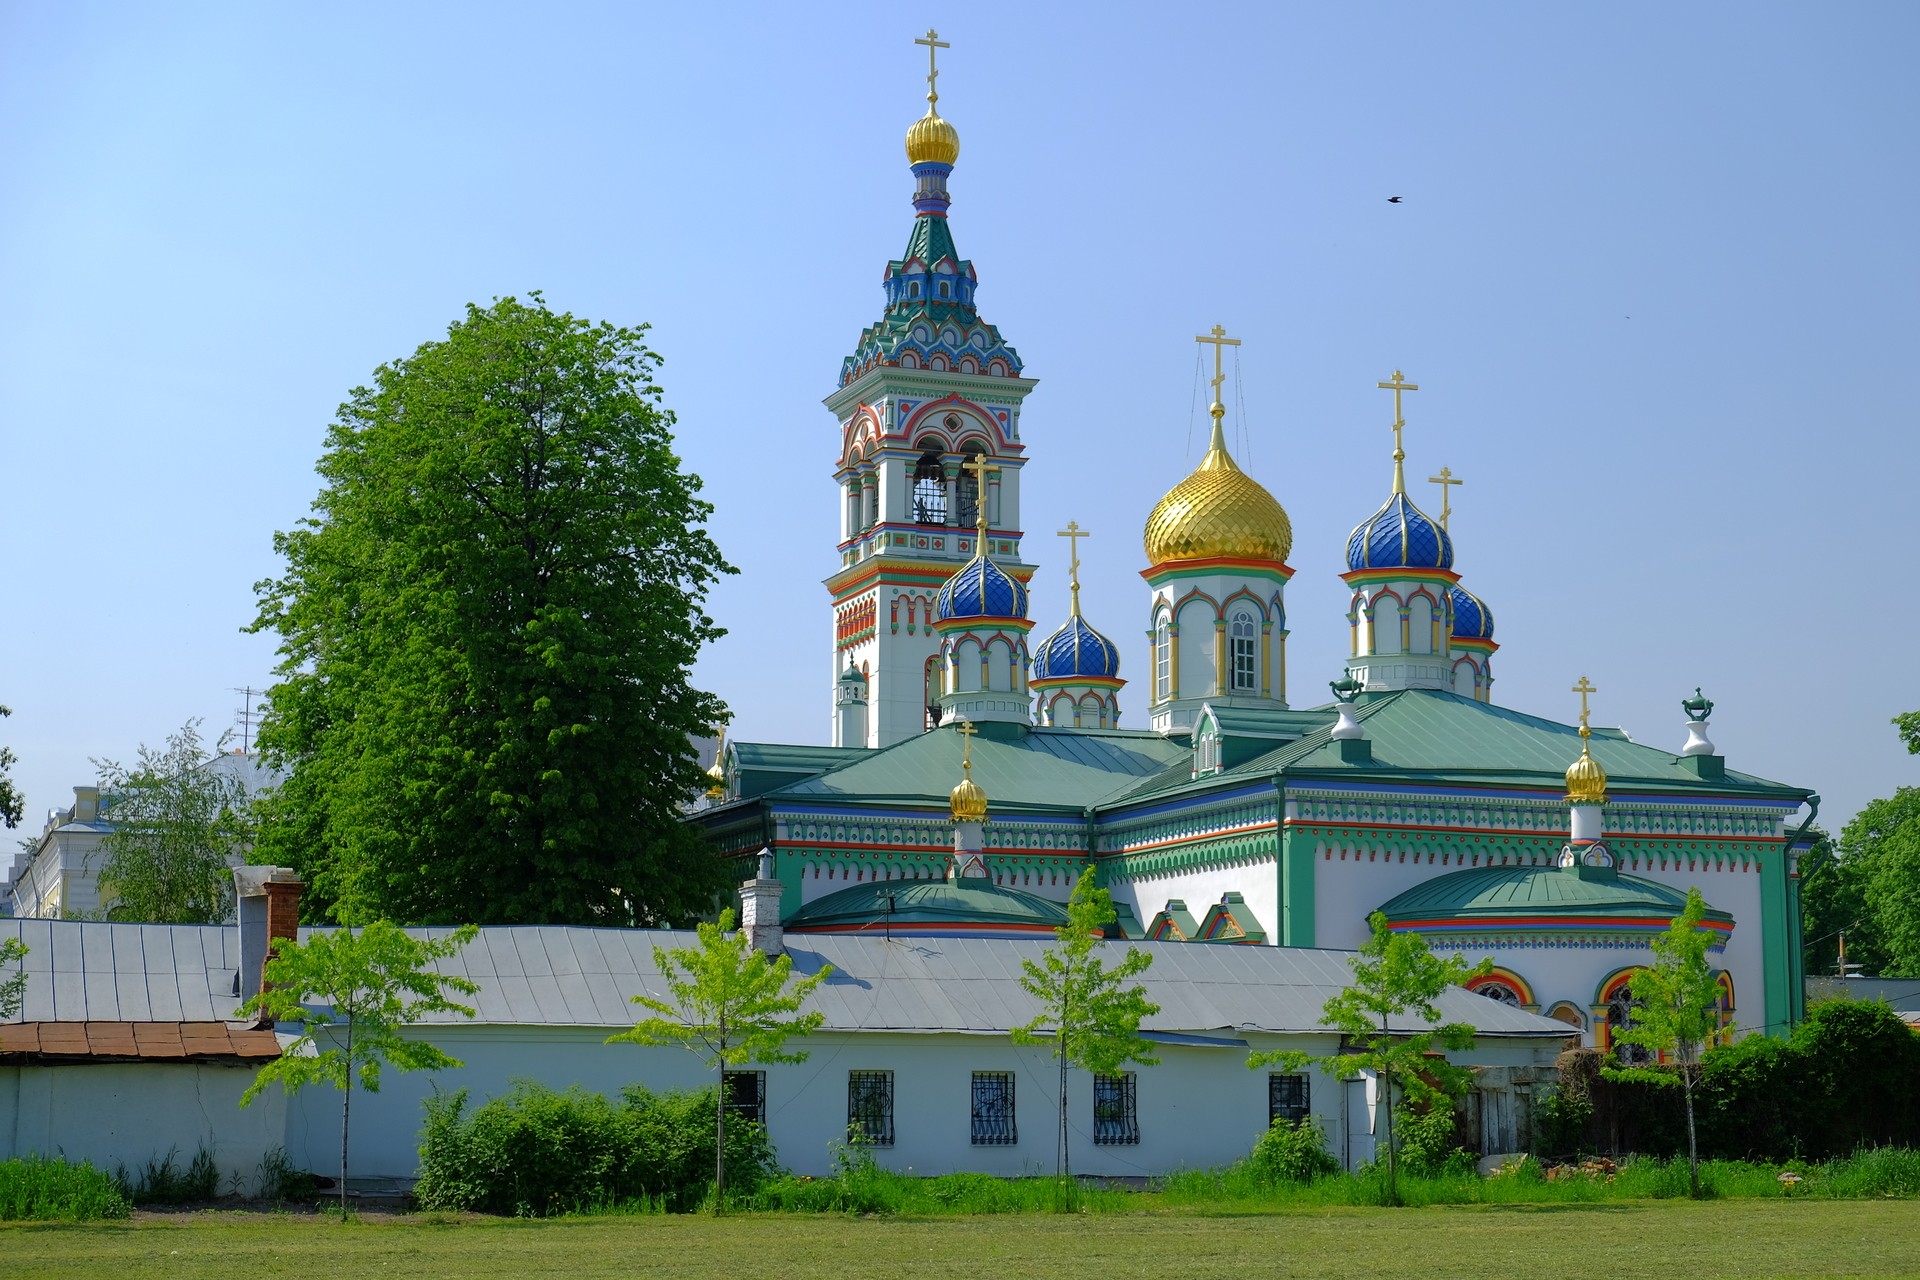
column 929, row 389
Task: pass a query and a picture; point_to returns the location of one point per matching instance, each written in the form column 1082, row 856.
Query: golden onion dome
column 969, row 801
column 1586, row 780
column 932, row 138
column 1219, row 510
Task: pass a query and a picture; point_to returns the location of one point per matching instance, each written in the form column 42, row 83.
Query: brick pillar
column 282, row 890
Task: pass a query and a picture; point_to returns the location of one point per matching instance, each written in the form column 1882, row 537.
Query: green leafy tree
column 180, row 825
column 1395, row 980
column 1088, row 1017
column 1873, row 888
column 12, row 803
column 731, row 1004
column 1833, row 904
column 353, row 992
column 13, row 991
column 486, row 630
column 1676, row 1014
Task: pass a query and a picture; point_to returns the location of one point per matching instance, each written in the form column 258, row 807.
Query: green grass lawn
column 1730, row 1238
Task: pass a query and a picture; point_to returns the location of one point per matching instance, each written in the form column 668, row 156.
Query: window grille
column 993, row 1109
column 747, row 1095
column 1116, row 1118
column 1245, row 653
column 1287, row 1098
column 929, row 490
column 1621, row 1008
column 1500, row 991
column 870, row 1106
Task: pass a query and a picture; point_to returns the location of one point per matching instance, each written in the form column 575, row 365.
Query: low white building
column 914, row 1051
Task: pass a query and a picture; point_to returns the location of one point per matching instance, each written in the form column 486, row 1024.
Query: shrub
column 280, row 1180
column 1291, row 1151
column 36, row 1188
column 163, row 1181
column 537, row 1152
column 1429, row 1144
column 1561, row 1119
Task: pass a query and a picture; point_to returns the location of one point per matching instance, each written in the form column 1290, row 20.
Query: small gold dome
column 1586, row 780
column 1219, row 510
column 932, row 138
column 969, row 801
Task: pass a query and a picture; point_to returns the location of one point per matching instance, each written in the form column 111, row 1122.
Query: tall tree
column 486, row 628
column 13, row 991
column 352, row 992
column 12, row 804
column 1833, row 905
column 180, row 822
column 1676, row 1013
column 732, row 1004
column 1395, row 977
column 1087, row 1017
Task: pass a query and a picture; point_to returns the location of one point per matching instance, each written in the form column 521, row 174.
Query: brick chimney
column 267, row 912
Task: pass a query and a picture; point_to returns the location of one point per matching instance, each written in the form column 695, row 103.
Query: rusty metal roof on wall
column 117, row 1041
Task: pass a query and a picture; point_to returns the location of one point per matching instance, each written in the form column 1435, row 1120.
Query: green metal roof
column 1024, row 768
column 963, row 901
column 1504, row 892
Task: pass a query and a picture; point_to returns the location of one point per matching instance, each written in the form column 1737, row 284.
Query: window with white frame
column 1162, row 659
column 1243, row 646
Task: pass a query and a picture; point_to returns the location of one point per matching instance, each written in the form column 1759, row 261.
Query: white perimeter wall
column 116, row 1114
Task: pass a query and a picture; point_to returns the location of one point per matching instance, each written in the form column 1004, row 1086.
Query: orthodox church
column 1244, row 812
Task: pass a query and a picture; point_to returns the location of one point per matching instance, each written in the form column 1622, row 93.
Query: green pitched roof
column 1026, row 768
column 1545, row 892
column 960, row 902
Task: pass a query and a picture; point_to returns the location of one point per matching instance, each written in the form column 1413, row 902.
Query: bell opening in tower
column 930, row 487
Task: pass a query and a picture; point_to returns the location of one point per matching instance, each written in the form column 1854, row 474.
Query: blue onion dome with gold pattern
column 1076, row 650
column 1399, row 536
column 981, row 589
column 1472, row 619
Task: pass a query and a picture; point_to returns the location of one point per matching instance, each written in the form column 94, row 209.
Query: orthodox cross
column 978, row 465
column 1398, row 385
column 966, row 731
column 934, row 43
column 1584, row 688
column 1446, row 481
column 1073, row 533
column 1218, row 338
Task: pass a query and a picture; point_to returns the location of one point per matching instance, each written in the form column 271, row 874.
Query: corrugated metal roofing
column 548, row 975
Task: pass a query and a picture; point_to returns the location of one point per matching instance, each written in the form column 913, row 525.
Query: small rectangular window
column 1116, row 1119
column 1287, row 1098
column 747, row 1095
column 870, row 1106
column 993, row 1109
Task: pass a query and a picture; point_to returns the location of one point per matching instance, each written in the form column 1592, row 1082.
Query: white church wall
column 116, row 1114
column 1347, row 890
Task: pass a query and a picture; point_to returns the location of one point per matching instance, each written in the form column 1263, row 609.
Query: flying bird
column 1393, row 199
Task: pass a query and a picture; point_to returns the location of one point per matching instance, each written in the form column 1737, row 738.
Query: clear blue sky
column 1654, row 272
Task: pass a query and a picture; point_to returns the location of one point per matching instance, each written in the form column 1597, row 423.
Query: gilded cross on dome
column 1073, row 532
column 977, row 464
column 1396, row 386
column 1217, row 337
column 934, row 44
column 1446, row 480
column 966, row 731
column 1584, row 688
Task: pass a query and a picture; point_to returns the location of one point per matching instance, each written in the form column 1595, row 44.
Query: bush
column 163, row 1181
column 537, row 1152
column 280, row 1180
column 1429, row 1143
column 1291, row 1151
column 36, row 1188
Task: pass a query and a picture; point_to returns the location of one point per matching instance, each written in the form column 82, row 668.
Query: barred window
column 870, row 1106
column 1116, row 1119
column 929, row 489
column 747, row 1095
column 993, row 1109
column 1287, row 1098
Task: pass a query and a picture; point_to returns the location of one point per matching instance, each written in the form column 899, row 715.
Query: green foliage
column 731, row 1004
column 486, row 629
column 1560, row 1120
column 1854, row 1087
column 1833, row 901
column 179, row 825
column 537, row 1152
column 1430, row 1141
column 12, row 803
column 165, row 1181
column 13, row 990
column 35, row 1188
column 282, row 1180
column 1088, row 1017
column 1292, row 1151
column 1867, row 885
column 1754, row 1096
column 366, row 985
column 1394, row 977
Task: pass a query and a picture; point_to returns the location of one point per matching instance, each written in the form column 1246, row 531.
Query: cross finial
column 1396, row 386
column 977, row 463
column 1073, row 533
column 1584, row 688
column 934, row 43
column 966, row 731
column 1218, row 339
column 1446, row 480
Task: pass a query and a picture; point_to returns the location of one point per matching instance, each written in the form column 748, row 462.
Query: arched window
column 1621, row 1007
column 913, row 290
column 945, row 288
column 1162, row 659
column 1500, row 991
column 1243, row 653
column 929, row 489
